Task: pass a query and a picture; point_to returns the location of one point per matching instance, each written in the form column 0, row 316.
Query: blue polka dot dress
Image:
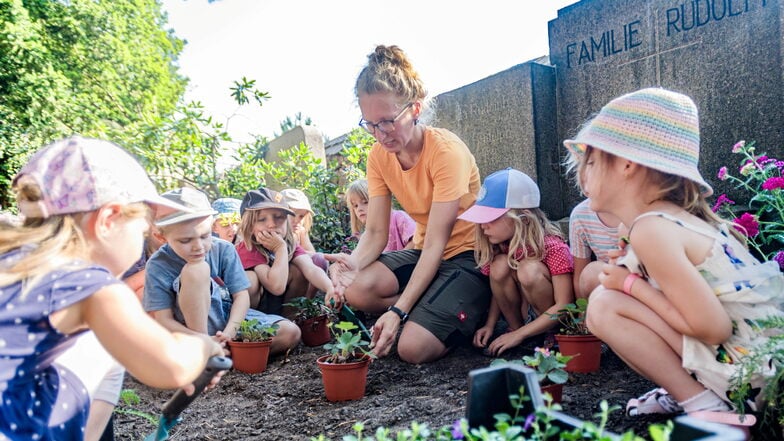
column 41, row 400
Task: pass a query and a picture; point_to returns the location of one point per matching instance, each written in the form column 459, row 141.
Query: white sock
column 705, row 400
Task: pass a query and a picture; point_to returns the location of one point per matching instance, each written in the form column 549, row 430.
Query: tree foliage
column 297, row 167
column 104, row 69
column 108, row 70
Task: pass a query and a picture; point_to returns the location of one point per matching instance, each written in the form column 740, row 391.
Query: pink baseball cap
column 82, row 174
column 501, row 192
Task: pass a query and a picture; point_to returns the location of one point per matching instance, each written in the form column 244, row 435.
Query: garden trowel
column 349, row 315
column 170, row 415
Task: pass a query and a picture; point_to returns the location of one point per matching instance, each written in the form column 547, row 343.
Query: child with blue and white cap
column 525, row 256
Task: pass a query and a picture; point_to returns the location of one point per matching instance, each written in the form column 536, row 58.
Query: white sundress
column 747, row 289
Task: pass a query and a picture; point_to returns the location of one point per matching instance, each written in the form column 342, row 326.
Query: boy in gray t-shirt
column 196, row 283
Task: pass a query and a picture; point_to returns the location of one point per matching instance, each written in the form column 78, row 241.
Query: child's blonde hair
column 678, row 190
column 531, row 225
column 55, row 242
column 358, row 189
column 249, row 218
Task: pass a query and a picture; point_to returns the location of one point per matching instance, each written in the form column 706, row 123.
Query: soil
column 286, row 402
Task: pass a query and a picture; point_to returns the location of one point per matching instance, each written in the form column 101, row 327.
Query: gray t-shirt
column 162, row 284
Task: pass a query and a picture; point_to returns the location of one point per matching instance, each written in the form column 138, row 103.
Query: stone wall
column 310, row 135
column 509, row 120
column 725, row 54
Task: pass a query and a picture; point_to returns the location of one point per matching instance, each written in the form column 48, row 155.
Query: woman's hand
column 342, row 272
column 384, row 333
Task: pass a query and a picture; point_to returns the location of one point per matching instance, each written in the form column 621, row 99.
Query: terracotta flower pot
column 555, row 390
column 586, row 350
column 250, row 357
column 344, row 381
column 315, row 331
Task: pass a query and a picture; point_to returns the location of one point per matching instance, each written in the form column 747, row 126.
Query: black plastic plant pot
column 690, row 429
column 489, row 390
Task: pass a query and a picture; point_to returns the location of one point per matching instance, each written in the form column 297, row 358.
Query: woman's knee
column 415, row 352
column 417, row 345
column 371, row 288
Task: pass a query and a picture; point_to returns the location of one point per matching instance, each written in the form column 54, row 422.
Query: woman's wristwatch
column 403, row 316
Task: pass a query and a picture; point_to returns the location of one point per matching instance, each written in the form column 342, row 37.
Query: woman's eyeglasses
column 385, row 125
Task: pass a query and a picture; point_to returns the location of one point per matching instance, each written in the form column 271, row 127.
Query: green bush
column 297, row 167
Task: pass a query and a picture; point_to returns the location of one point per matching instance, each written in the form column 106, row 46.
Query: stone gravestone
column 725, row 54
column 508, row 120
column 309, row 135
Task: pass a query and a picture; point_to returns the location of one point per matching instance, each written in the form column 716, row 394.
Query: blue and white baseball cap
column 500, row 192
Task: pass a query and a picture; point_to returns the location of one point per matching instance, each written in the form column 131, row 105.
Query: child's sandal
column 654, row 401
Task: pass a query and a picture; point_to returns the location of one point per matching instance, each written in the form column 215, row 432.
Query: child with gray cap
column 197, row 284
column 278, row 268
column 525, row 256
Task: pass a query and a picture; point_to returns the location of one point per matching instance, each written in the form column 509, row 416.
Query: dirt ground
column 287, row 401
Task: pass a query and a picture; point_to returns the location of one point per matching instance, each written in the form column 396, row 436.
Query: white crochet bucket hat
column 653, row 127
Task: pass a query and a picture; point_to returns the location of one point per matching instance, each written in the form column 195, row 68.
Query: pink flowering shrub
column 762, row 216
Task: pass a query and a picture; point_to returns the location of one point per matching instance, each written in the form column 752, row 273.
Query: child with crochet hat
column 86, row 205
column 680, row 305
column 227, row 218
column 278, row 268
column 197, row 284
column 525, row 256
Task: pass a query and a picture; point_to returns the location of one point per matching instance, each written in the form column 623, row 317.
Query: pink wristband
column 628, row 282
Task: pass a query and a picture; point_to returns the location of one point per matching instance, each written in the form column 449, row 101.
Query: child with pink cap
column 524, row 253
column 85, row 207
column 680, row 306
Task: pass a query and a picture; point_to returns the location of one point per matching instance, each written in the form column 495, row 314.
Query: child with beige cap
column 301, row 223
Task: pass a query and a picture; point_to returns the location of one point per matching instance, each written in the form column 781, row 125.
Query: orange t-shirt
column 445, row 171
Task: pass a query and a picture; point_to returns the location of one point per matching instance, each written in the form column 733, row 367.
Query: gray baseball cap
column 196, row 203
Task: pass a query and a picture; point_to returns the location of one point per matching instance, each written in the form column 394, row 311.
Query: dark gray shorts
column 456, row 302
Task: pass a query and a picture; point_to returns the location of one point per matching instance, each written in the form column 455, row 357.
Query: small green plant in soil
column 349, row 345
column 129, row 399
column 538, row 426
column 251, row 330
column 308, row 308
column 548, row 364
column 571, row 318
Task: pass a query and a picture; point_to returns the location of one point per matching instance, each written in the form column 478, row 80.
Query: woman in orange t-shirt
column 436, row 286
